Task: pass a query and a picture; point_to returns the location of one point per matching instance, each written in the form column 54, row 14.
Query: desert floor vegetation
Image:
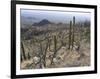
column 54, row 45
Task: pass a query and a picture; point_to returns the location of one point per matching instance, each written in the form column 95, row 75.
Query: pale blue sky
column 55, row 16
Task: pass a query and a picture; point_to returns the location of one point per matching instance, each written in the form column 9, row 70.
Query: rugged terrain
column 51, row 45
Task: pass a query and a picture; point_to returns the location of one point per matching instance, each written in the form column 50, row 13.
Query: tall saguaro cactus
column 45, row 52
column 23, row 51
column 73, row 32
column 49, row 41
column 70, row 34
column 41, row 55
column 55, row 49
column 55, row 44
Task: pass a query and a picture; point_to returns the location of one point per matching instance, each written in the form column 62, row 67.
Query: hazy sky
column 55, row 16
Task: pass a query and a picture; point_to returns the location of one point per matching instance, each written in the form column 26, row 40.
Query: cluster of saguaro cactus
column 43, row 49
column 71, row 34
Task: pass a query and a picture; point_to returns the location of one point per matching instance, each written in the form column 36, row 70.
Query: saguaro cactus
column 23, row 51
column 29, row 55
column 49, row 41
column 55, row 44
column 21, row 57
column 70, row 34
column 73, row 31
column 41, row 55
column 55, row 49
column 45, row 52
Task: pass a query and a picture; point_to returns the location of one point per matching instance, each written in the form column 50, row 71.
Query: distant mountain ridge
column 25, row 21
column 42, row 23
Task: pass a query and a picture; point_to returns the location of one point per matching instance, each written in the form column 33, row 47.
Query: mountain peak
column 42, row 23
